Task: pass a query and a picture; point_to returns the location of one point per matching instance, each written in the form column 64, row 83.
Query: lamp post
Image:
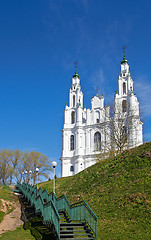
column 30, row 172
column 26, row 176
column 37, row 170
column 54, row 164
column 23, row 176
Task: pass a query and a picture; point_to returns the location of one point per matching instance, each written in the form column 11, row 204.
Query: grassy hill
column 119, row 192
column 5, row 194
column 19, row 233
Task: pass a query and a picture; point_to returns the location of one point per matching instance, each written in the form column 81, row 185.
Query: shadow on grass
column 34, row 222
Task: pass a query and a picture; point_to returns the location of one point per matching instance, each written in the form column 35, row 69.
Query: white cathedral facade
column 88, row 131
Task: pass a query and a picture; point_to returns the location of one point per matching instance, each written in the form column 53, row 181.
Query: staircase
column 82, row 223
column 73, row 230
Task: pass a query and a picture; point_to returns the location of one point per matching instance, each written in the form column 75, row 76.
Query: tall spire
column 75, row 75
column 124, row 59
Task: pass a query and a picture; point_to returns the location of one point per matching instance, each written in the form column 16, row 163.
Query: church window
column 71, row 143
column 97, row 141
column 71, row 168
column 124, row 88
column 73, row 117
column 125, row 131
column 73, row 100
column 97, row 117
column 83, row 118
column 124, row 106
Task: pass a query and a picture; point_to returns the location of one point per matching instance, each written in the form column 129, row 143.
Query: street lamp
column 23, row 176
column 54, row 164
column 26, row 176
column 30, row 172
column 37, row 170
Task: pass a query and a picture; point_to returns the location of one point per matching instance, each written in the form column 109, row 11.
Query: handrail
column 48, row 210
column 78, row 212
column 49, row 205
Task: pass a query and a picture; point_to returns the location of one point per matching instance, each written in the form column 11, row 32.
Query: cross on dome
column 124, row 59
column 76, row 75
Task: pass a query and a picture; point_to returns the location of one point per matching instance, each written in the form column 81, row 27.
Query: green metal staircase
column 72, row 230
column 76, row 221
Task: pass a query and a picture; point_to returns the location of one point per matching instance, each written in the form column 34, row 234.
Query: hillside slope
column 10, row 217
column 5, row 201
column 119, row 192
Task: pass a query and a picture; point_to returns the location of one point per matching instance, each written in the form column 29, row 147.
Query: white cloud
column 98, row 80
column 143, row 90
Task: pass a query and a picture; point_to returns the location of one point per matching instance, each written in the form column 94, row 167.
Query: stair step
column 74, row 234
column 89, row 238
column 68, row 231
column 71, row 227
column 72, row 230
column 71, row 224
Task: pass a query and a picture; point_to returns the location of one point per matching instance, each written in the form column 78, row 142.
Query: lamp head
column 54, row 164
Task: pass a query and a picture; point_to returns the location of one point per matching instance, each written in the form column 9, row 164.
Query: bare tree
column 15, row 159
column 33, row 160
column 120, row 123
column 5, row 166
column 14, row 163
column 122, row 131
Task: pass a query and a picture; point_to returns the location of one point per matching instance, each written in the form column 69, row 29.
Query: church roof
column 100, row 97
column 124, row 60
column 75, row 75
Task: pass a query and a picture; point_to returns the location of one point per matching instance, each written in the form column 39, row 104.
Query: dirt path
column 12, row 220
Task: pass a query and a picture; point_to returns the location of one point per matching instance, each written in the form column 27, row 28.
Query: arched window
column 71, row 168
column 73, row 100
column 124, row 106
column 71, row 143
column 124, row 88
column 124, row 131
column 73, row 117
column 97, row 141
column 97, row 116
column 83, row 118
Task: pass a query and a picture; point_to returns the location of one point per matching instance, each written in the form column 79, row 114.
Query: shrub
column 27, row 225
column 2, row 214
column 36, row 234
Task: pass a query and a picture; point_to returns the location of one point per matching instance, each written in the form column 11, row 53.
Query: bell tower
column 125, row 82
column 75, row 94
column 126, row 106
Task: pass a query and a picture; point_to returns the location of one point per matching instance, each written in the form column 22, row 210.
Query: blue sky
column 39, row 42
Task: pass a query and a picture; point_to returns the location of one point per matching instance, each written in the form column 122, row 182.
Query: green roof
column 75, row 75
column 124, row 60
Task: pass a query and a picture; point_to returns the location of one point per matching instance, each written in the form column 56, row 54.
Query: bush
column 27, row 225
column 2, row 214
column 36, row 234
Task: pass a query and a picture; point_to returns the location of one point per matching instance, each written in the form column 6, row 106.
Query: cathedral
column 87, row 132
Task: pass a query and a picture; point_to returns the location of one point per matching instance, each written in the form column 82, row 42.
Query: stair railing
column 47, row 209
column 48, row 206
column 78, row 212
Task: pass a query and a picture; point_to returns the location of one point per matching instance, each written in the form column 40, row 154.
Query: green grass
column 5, row 193
column 2, row 214
column 18, row 234
column 119, row 192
